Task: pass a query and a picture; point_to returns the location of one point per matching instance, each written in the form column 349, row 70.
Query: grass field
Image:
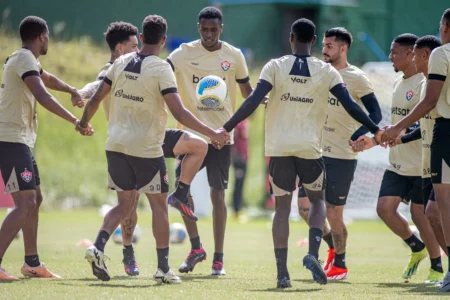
column 375, row 258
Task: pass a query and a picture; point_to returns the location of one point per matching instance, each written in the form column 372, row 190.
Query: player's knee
column 303, row 212
column 334, row 214
column 383, row 210
column 200, row 146
column 39, row 199
column 433, row 216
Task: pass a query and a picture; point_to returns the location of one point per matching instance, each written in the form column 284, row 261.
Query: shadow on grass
column 288, row 290
column 417, row 288
column 202, row 277
column 310, row 281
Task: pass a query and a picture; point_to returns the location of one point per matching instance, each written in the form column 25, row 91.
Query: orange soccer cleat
column 40, row 271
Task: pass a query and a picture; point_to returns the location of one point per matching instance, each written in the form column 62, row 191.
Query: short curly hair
column 31, row 27
column 119, row 32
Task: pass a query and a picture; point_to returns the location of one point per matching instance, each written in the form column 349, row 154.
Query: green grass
column 375, row 258
column 72, row 167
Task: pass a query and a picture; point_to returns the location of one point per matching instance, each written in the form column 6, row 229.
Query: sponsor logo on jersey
column 298, row 80
column 131, row 77
column 334, row 101
column 225, row 65
column 287, row 96
column 400, row 111
column 121, row 94
column 409, row 95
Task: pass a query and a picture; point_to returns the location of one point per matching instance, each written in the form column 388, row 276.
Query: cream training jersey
column 138, row 115
column 405, row 159
column 191, row 62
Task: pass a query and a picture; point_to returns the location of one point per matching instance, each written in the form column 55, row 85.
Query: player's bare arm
column 37, row 88
column 185, row 117
column 92, row 106
column 434, row 88
column 54, row 83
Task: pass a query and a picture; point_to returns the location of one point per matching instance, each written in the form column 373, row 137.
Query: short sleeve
column 109, row 77
column 241, row 68
column 438, row 65
column 167, row 81
column 363, row 86
column 268, row 73
column 335, row 77
column 175, row 59
column 28, row 65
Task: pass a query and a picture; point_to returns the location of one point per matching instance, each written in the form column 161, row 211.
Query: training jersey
column 191, row 62
column 340, row 126
column 405, row 159
column 426, row 131
column 439, row 69
column 18, row 117
column 138, row 115
column 297, row 105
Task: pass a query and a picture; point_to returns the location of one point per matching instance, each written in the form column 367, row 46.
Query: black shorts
column 217, row 163
column 170, row 140
column 18, row 167
column 339, row 177
column 440, row 152
column 284, row 170
column 409, row 188
column 146, row 175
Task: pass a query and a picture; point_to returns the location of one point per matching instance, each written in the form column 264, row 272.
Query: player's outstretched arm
column 185, row 117
column 92, row 106
column 37, row 88
column 89, row 89
column 372, row 106
column 434, row 88
column 54, row 83
column 354, row 110
column 250, row 104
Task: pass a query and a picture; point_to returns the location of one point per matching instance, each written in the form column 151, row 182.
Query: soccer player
column 436, row 101
column 121, row 39
column 191, row 62
column 340, row 160
column 141, row 84
column 299, row 85
column 402, row 180
column 421, row 53
column 23, row 83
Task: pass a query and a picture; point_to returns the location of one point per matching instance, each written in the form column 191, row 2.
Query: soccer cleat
column 312, row 264
column 194, row 257
column 130, row 266
column 4, row 276
column 434, row 277
column 283, row 283
column 40, row 271
column 336, row 273
column 445, row 286
column 168, row 278
column 218, row 269
column 96, row 259
column 330, row 260
column 416, row 258
column 184, row 208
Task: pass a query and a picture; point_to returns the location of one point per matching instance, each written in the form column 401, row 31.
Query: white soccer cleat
column 96, row 259
column 168, row 278
column 445, row 287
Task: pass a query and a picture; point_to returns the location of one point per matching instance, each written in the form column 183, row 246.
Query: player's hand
column 220, row 138
column 77, row 98
column 86, row 130
column 379, row 137
column 391, row 132
column 395, row 142
column 364, row 142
